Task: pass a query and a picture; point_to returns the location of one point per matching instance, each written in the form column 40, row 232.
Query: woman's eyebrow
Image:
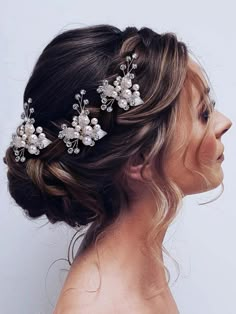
column 206, row 92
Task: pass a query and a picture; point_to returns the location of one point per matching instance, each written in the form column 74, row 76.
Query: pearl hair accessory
column 121, row 91
column 81, row 129
column 25, row 137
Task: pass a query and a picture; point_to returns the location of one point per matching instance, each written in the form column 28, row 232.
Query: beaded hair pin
column 25, row 136
column 82, row 128
column 121, row 89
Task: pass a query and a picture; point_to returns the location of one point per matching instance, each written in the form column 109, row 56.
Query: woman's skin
column 128, row 274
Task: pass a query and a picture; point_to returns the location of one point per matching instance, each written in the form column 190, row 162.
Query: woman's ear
column 134, row 171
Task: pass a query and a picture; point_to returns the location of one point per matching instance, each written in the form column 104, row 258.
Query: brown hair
column 91, row 187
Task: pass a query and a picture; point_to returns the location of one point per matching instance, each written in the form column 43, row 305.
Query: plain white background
column 202, row 239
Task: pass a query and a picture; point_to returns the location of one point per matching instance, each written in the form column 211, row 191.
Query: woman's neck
column 126, row 263
column 122, row 250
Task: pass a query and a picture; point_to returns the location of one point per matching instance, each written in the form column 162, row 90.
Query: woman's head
column 94, row 186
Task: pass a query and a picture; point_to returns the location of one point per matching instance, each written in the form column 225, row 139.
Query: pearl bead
column 39, row 129
column 76, row 150
column 126, row 93
column 32, row 149
column 135, row 87
column 88, row 130
column 122, row 103
column 63, row 126
column 118, row 88
column 97, row 127
column 87, row 140
column 42, row 136
column 94, row 121
column 103, row 107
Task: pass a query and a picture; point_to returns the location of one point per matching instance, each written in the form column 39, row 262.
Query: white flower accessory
column 25, row 137
column 121, row 89
column 81, row 130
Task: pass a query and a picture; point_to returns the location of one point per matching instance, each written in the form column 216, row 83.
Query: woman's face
column 202, row 149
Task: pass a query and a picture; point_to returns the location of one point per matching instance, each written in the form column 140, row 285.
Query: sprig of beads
column 81, row 130
column 121, row 89
column 25, row 137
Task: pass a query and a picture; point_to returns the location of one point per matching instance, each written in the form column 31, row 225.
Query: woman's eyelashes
column 205, row 110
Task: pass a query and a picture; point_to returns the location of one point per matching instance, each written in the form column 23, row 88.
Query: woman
column 159, row 139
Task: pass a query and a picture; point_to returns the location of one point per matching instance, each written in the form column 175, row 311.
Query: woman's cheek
column 208, row 150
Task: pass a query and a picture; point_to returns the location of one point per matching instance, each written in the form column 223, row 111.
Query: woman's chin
column 217, row 179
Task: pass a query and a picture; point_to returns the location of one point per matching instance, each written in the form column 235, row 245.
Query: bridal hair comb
column 25, row 137
column 121, row 89
column 81, row 128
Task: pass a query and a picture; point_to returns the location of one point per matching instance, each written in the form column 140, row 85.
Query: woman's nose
column 223, row 125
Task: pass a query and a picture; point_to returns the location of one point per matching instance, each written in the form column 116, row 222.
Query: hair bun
column 23, row 191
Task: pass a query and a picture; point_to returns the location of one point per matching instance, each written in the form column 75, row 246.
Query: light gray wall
column 202, row 239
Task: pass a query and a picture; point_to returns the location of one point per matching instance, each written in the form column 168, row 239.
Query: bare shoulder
column 78, row 301
column 81, row 295
column 104, row 306
column 85, row 291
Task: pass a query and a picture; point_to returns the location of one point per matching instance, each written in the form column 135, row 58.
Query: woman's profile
column 123, row 127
